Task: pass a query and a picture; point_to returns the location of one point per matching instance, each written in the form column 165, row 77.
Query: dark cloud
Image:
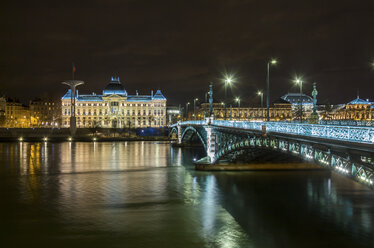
column 180, row 46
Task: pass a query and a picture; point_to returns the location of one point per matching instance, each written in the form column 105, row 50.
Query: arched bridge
column 346, row 149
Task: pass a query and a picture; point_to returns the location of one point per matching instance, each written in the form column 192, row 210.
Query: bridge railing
column 200, row 123
column 344, row 133
column 347, row 123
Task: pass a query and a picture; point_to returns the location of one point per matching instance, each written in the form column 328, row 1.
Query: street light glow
column 273, row 61
column 229, row 79
column 237, row 99
column 298, row 81
column 259, row 92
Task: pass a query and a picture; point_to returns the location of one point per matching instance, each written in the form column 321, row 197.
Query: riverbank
column 82, row 134
column 82, row 139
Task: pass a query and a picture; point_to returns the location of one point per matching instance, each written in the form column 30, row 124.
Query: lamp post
column 300, row 83
column 73, row 85
column 224, row 106
column 238, row 101
column 187, row 103
column 271, row 62
column 228, row 81
column 194, row 107
column 261, row 94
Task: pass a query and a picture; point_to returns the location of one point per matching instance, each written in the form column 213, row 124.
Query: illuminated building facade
column 2, row 111
column 116, row 109
column 17, row 115
column 173, row 114
column 280, row 111
column 356, row 110
column 44, row 113
column 297, row 101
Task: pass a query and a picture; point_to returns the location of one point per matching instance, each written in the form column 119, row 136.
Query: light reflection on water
column 145, row 194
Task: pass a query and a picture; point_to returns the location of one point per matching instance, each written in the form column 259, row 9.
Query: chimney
column 151, row 93
column 137, row 92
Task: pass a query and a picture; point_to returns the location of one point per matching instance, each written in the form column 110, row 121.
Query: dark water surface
column 146, row 194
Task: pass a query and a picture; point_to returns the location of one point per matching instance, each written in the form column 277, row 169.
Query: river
column 147, row 194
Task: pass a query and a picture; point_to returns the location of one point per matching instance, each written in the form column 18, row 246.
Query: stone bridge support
column 211, row 144
column 179, row 133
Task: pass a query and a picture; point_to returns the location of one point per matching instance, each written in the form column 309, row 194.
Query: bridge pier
column 210, row 144
column 179, row 133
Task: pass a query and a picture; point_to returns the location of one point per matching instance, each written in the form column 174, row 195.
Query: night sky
column 180, row 46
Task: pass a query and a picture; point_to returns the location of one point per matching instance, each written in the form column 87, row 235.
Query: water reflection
column 145, row 194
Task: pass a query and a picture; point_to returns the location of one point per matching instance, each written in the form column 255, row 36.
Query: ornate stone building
column 280, row 111
column 2, row 111
column 44, row 113
column 356, row 110
column 116, row 109
column 17, row 115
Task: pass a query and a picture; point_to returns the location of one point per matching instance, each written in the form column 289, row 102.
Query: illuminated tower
column 73, row 84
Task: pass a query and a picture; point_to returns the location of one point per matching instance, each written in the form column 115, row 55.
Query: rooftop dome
column 115, row 88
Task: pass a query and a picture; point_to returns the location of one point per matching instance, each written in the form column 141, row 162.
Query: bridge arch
column 256, row 145
column 192, row 129
column 174, row 130
column 252, row 145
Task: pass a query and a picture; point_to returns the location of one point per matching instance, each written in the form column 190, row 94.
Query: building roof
column 159, row 95
column 359, row 101
column 114, row 88
column 139, row 98
column 67, row 94
column 89, row 98
column 294, row 98
column 281, row 101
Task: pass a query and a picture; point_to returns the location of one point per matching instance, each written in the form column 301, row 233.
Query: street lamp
column 228, row 81
column 238, row 101
column 72, row 84
column 300, row 83
column 194, row 107
column 224, row 106
column 260, row 93
column 187, row 103
column 270, row 62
